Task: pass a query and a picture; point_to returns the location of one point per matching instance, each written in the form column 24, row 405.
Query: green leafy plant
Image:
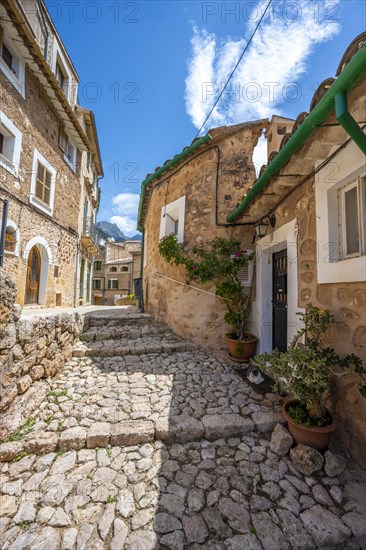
column 304, row 371
column 220, row 265
column 23, row 430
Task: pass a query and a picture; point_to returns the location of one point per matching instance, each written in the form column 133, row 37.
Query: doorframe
column 283, row 237
column 46, row 261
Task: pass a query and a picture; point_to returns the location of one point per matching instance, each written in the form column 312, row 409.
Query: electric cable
column 233, row 71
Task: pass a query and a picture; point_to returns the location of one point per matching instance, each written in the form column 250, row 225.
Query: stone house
column 43, row 142
column 306, row 212
column 115, row 271
column 191, row 196
column 91, row 171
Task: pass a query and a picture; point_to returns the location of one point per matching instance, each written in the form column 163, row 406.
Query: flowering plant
column 220, row 265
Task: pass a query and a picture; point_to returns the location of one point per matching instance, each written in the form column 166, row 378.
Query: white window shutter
column 245, row 275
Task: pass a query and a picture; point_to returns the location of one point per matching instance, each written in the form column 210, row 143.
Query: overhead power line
column 234, row 69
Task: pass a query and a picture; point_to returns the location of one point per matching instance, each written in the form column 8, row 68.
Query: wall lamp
column 261, row 228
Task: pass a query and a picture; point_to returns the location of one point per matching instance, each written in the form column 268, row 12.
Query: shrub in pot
column 304, row 373
column 220, row 265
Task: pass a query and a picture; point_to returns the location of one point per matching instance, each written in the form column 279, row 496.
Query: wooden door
column 33, row 276
column 279, row 301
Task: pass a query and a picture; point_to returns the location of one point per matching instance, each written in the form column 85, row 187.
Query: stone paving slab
column 200, row 494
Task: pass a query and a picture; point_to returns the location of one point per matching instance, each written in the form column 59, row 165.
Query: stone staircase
column 123, row 335
column 132, row 381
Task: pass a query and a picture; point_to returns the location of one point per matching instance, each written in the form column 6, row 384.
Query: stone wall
column 30, row 349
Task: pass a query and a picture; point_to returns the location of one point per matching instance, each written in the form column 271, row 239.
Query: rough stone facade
column 30, row 350
column 40, row 123
column 194, row 314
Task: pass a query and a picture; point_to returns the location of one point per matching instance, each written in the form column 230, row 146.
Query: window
column 10, row 145
column 172, row 219
column 68, row 148
column 125, row 268
column 113, row 270
column 8, row 58
column 61, row 77
column 11, row 63
column 113, row 284
column 56, row 271
column 42, row 184
column 245, row 275
column 98, row 266
column 97, row 284
column 352, row 218
column 340, row 236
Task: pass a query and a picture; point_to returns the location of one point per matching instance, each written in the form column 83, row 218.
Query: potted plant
column 220, row 265
column 304, row 373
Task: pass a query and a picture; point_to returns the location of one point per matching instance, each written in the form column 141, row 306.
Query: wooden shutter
column 43, row 184
column 47, row 187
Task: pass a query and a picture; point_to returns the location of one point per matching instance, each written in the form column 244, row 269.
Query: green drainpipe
column 167, row 166
column 348, row 79
column 347, row 121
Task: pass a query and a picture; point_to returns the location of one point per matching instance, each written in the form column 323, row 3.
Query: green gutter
column 167, row 166
column 348, row 79
column 347, row 121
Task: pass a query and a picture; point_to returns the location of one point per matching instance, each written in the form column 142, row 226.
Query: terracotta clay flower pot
column 241, row 350
column 317, row 438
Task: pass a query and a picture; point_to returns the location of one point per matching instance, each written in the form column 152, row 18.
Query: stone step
column 174, row 429
column 118, row 319
column 139, row 346
column 126, row 332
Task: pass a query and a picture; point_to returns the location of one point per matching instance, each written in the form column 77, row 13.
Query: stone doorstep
column 180, row 429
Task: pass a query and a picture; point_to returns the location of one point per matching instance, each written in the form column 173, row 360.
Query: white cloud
column 277, row 57
column 260, row 154
column 125, row 205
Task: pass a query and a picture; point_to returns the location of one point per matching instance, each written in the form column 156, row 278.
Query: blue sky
column 150, row 71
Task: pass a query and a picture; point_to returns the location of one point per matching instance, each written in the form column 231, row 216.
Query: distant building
column 115, row 270
column 48, row 153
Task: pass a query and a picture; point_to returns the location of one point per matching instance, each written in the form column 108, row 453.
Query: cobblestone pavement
column 145, row 441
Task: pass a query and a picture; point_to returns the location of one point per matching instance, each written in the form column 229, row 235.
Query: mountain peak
column 111, row 230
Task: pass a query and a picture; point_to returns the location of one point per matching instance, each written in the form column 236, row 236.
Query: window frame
column 348, row 164
column 38, row 203
column 11, row 165
column 110, row 285
column 66, row 144
column 15, row 75
column 95, row 280
column 173, row 212
column 359, row 183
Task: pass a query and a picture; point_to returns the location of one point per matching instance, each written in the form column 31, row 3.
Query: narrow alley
column 145, row 441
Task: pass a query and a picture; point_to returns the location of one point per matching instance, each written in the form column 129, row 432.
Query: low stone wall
column 30, row 349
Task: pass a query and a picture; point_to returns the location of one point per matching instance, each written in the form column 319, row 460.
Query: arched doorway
column 33, row 276
column 45, row 259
